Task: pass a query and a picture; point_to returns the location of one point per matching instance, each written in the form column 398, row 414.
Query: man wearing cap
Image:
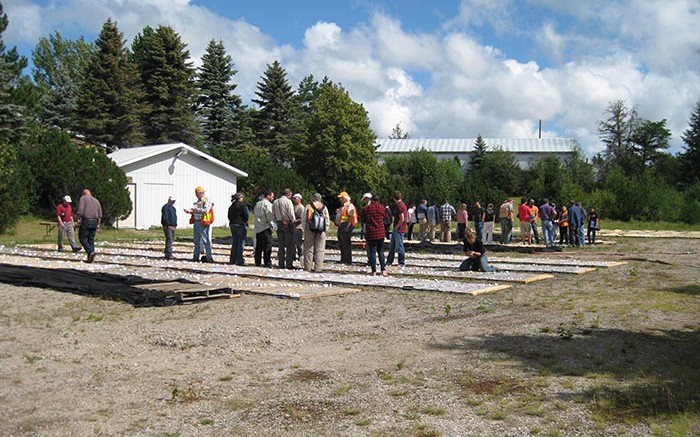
column 238, row 215
column 168, row 219
column 346, row 221
column 90, row 213
column 283, row 209
column 201, row 231
column 64, row 215
column 299, row 211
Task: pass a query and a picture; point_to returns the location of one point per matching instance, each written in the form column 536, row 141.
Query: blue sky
column 442, row 69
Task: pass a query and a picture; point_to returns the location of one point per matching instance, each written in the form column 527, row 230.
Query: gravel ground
column 536, row 359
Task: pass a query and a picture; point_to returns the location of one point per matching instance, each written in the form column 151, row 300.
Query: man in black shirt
column 476, row 255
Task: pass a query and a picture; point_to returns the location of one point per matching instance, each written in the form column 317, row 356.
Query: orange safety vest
column 344, row 218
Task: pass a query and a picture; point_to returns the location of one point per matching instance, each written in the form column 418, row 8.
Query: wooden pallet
column 187, row 292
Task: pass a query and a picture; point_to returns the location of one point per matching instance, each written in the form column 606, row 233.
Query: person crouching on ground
column 476, row 255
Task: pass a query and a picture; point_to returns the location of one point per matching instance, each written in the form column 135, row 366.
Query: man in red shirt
column 396, row 243
column 524, row 217
column 64, row 216
column 372, row 216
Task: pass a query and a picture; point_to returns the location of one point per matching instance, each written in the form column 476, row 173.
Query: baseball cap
column 344, row 194
column 68, row 199
column 171, row 198
column 367, row 196
column 297, row 195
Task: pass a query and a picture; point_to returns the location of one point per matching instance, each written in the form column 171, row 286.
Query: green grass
column 644, row 225
column 29, row 231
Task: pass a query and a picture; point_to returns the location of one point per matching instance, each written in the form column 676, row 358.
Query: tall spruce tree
column 108, row 96
column 480, row 149
column 690, row 157
column 12, row 112
column 167, row 77
column 59, row 64
column 217, row 105
column 277, row 124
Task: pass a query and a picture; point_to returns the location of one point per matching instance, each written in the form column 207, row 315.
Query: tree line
column 84, row 99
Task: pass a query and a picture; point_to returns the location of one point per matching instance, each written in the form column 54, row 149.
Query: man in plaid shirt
column 372, row 216
column 447, row 212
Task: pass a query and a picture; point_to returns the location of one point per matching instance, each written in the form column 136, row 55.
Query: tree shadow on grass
column 99, row 284
column 691, row 289
column 643, row 374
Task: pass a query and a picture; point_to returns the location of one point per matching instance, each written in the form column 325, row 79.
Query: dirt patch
column 605, row 353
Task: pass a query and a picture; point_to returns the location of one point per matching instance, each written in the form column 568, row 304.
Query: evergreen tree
column 108, row 106
column 307, row 93
column 12, row 113
column 649, row 140
column 479, row 154
column 217, row 105
column 167, row 77
column 278, row 128
column 340, row 152
column 397, row 133
column 58, row 70
column 690, row 157
column 615, row 132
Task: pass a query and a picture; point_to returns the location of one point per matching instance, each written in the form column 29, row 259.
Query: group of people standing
column 569, row 223
column 302, row 229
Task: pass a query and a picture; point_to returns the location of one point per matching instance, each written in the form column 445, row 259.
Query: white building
column 526, row 151
column 158, row 171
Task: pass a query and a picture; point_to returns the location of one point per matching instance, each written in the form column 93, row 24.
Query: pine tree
column 277, row 124
column 58, row 70
column 167, row 77
column 480, row 149
column 108, row 95
column 12, row 113
column 397, row 133
column 217, row 105
column 690, row 157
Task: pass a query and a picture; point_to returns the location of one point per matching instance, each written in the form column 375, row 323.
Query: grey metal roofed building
column 526, row 150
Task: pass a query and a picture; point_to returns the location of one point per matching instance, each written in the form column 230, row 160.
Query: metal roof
column 124, row 157
column 466, row 145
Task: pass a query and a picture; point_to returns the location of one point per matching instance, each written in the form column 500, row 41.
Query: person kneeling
column 476, row 255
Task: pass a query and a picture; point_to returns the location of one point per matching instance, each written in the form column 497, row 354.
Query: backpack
column 317, row 222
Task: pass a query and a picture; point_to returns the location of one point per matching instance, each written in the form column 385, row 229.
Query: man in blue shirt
column 168, row 219
column 547, row 213
column 575, row 222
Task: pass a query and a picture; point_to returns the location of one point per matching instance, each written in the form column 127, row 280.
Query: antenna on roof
column 540, row 132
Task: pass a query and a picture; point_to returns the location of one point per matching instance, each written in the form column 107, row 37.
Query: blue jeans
column 374, row 248
column 201, row 235
column 238, row 234
column 479, row 226
column 396, row 245
column 548, row 232
column 506, row 229
column 86, row 234
column 478, row 264
column 169, row 237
